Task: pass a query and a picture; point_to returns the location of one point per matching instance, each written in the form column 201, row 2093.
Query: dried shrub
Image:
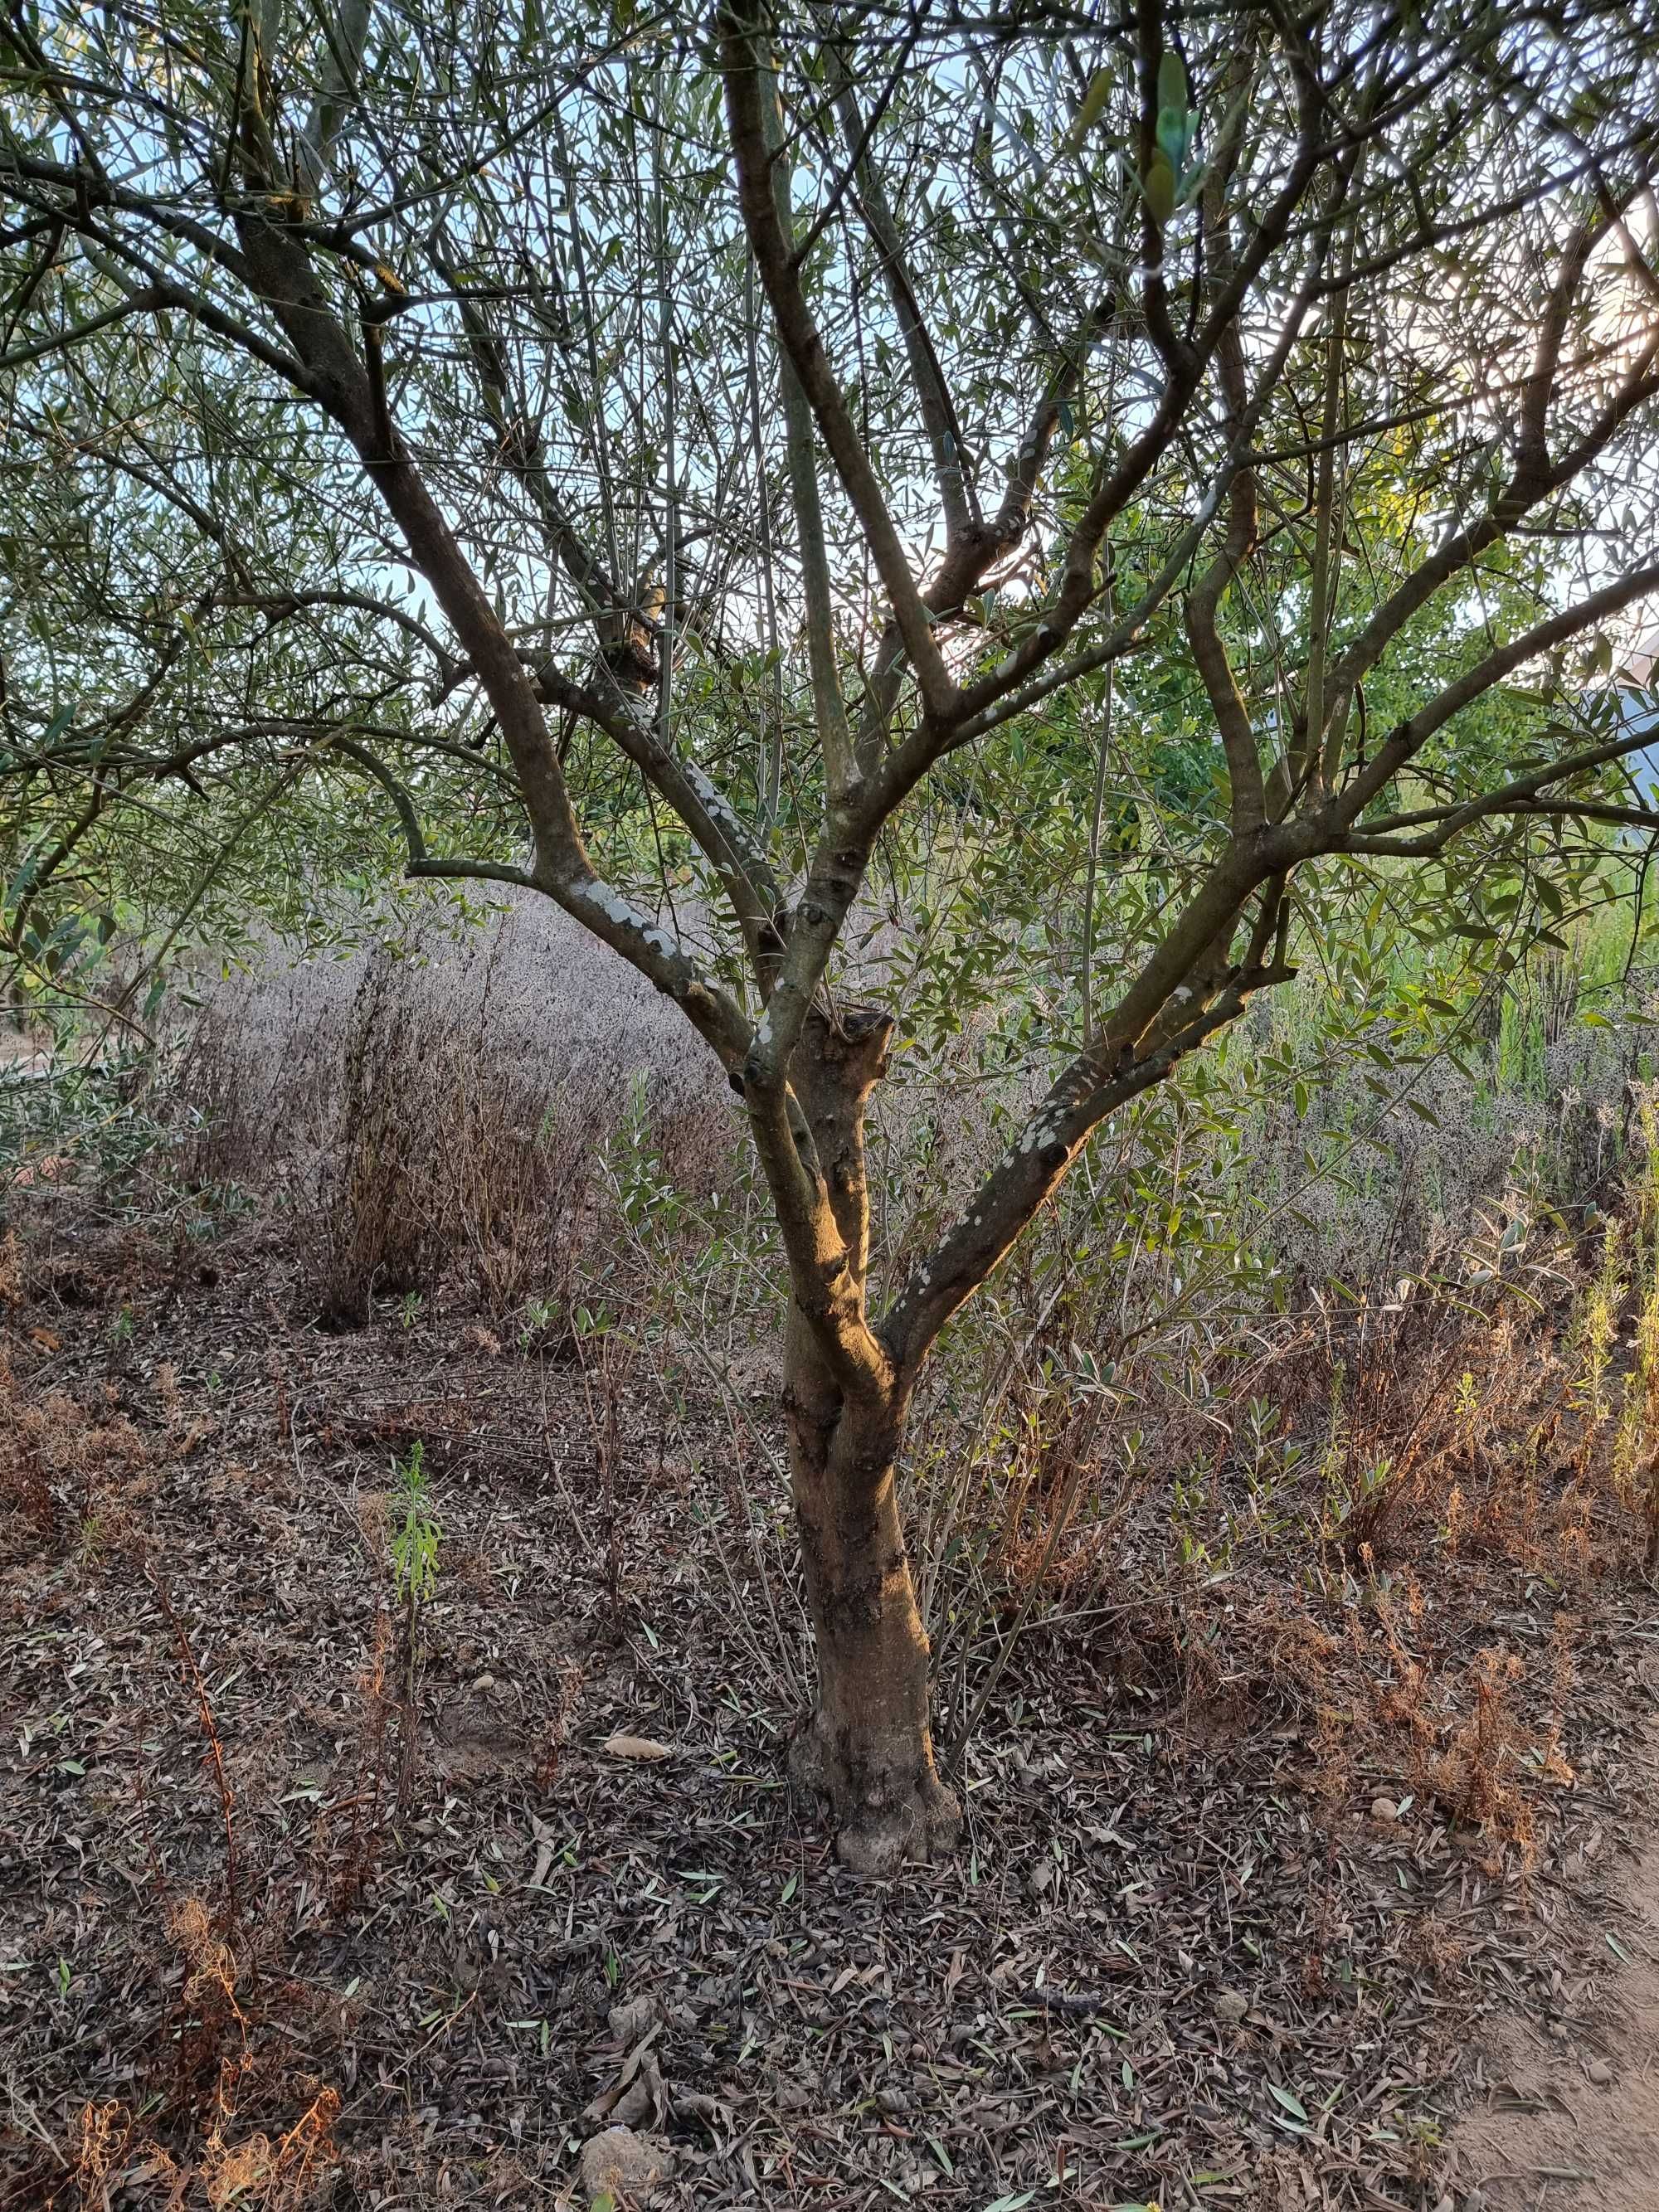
column 438, row 1109
column 281, row 2176
column 61, row 1460
column 1492, row 1763
column 371, row 1800
column 111, row 2147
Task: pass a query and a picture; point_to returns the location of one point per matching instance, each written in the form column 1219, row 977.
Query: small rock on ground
column 622, row 2165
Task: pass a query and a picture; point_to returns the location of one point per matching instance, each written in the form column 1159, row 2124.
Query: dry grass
column 437, row 1111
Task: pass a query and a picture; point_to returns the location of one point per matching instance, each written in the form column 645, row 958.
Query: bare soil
column 1246, row 1876
column 1568, row 2102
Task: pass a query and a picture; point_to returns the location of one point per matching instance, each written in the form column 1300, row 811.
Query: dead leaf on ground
column 637, row 1746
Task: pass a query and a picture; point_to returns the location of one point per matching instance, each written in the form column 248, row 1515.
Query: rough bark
column 867, row 1746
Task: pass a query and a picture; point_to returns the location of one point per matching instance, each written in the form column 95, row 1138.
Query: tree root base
column 885, row 1813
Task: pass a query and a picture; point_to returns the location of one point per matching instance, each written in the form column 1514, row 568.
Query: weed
column 1595, row 1325
column 539, row 1320
column 415, row 1542
column 414, row 1538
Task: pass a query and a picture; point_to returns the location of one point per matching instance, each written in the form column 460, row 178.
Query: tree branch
column 1407, row 738
column 744, row 77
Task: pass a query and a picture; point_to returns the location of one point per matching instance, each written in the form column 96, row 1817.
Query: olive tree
column 772, row 415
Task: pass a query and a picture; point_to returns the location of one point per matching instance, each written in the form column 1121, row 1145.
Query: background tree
column 776, row 448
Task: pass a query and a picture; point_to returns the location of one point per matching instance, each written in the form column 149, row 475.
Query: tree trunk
column 867, row 1748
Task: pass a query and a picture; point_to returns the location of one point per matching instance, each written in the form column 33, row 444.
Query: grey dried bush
column 1391, row 1187
column 436, row 1105
column 1106, row 1300
column 1398, row 1200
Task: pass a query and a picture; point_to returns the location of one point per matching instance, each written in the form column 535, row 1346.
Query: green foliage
column 416, row 1533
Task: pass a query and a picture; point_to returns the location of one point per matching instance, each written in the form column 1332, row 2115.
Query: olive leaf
column 1176, row 128
column 1090, row 111
column 1159, row 185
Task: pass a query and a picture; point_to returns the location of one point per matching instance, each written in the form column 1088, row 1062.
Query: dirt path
column 1570, row 2111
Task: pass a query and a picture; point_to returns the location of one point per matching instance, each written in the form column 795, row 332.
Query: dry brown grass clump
column 61, row 1460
